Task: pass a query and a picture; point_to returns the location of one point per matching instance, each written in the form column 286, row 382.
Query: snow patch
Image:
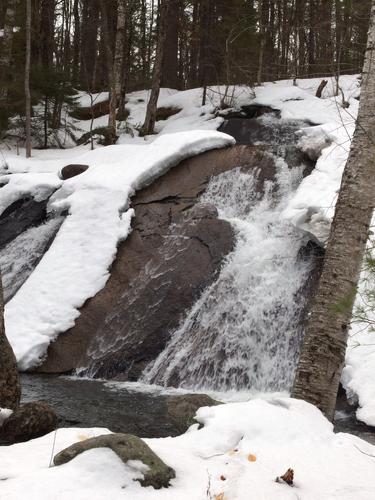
column 242, row 448
column 4, row 414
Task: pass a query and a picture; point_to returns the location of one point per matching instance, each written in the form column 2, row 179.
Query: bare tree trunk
column 7, row 46
column 89, row 41
column 170, row 51
column 194, row 47
column 10, row 391
column 149, row 124
column 116, row 73
column 143, row 48
column 323, row 350
column 263, row 23
column 27, row 79
column 76, row 41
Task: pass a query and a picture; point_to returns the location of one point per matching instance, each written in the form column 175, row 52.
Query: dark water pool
column 94, row 403
column 90, row 403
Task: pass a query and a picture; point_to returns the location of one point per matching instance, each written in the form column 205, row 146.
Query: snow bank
column 358, row 374
column 238, row 454
column 312, row 208
column 38, row 185
column 77, row 265
column 327, row 136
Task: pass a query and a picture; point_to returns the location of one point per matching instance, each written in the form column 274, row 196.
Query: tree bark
column 27, row 79
column 170, row 51
column 323, row 350
column 47, row 17
column 263, row 21
column 10, row 391
column 76, row 41
column 7, row 47
column 194, row 47
column 116, row 73
column 150, row 119
column 89, row 42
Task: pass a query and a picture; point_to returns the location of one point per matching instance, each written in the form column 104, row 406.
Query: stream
column 134, row 408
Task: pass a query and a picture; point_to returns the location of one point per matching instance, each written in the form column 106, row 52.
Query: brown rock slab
column 127, row 447
column 173, row 253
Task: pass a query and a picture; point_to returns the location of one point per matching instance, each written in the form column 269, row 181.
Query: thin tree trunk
column 263, row 23
column 194, row 47
column 10, row 391
column 7, row 47
column 27, row 79
column 150, row 119
column 170, row 50
column 76, row 41
column 143, row 48
column 116, row 73
column 323, row 350
column 89, row 41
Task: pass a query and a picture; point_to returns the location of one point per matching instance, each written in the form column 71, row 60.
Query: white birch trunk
column 323, row 350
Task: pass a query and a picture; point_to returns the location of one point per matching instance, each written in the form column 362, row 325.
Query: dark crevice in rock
column 20, row 216
column 168, row 199
column 345, row 419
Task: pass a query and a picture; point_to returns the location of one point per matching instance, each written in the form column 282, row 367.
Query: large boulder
column 29, row 421
column 97, row 110
column 181, row 409
column 72, row 170
column 163, row 113
column 127, row 447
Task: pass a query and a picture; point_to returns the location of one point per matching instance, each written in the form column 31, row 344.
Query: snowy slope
column 313, row 205
column 237, row 455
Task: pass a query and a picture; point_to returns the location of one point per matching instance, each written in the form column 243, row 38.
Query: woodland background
column 76, row 44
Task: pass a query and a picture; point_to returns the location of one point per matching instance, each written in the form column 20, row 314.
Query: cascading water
column 19, row 258
column 245, row 329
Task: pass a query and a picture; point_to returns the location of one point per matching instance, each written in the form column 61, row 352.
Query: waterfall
column 19, row 258
column 244, row 331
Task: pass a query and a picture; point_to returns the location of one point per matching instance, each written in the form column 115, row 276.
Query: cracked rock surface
column 175, row 250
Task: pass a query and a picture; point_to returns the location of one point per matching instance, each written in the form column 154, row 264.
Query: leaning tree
column 323, row 351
